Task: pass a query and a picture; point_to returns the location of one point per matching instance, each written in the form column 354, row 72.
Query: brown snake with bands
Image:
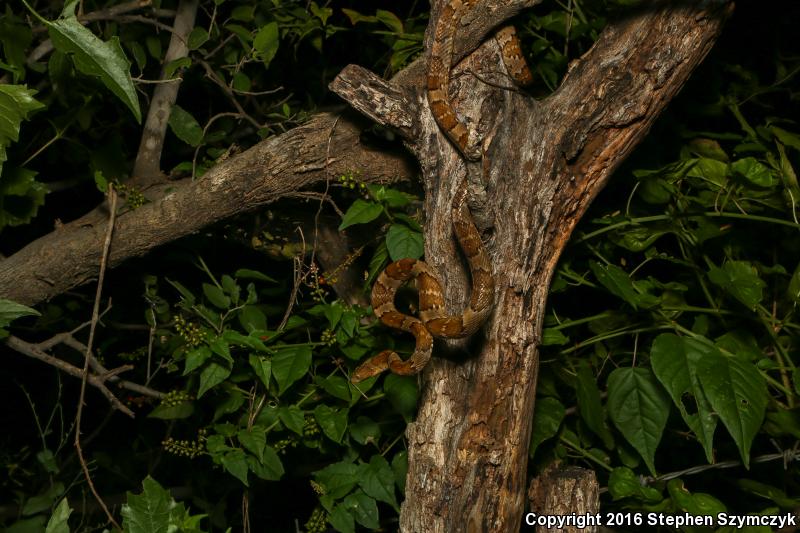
column 433, row 321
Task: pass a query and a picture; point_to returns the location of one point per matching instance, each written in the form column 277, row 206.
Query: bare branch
column 266, row 172
column 112, row 212
column 378, row 99
column 31, row 350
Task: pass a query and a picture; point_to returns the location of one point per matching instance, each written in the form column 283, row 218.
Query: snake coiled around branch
column 433, row 321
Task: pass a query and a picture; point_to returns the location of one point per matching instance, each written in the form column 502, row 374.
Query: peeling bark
column 544, row 162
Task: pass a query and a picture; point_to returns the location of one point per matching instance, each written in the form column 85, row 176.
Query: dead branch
column 32, row 350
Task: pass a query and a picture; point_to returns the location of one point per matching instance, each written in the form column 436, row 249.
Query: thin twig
column 31, row 350
column 317, row 196
column 112, row 197
column 211, row 75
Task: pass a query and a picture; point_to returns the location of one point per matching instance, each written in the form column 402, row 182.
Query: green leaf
column 616, row 281
column 293, row 418
column 710, row 170
column 363, row 508
column 254, row 441
column 270, row 469
column 338, row 479
column 27, row 525
column 547, row 418
column 794, row 285
column 172, row 412
column 333, row 422
column 231, row 403
column 43, row 501
column 755, row 172
column 262, row 367
column 336, row 386
column 220, row 347
column 290, row 364
column 248, row 341
column 377, row 481
column 149, row 511
column 23, row 196
column 786, row 137
column 738, row 394
column 589, row 405
column 402, row 242
column 184, row 126
column 377, row 262
column 740, row 280
column 58, row 522
column 93, row 57
column 624, row 483
column 266, row 42
column 197, row 38
column 252, row 318
column 400, row 469
column 341, row 520
column 769, row 492
column 639, row 408
column 246, row 273
column 186, row 294
column 675, row 362
column 402, row 393
column 391, row 20
column 365, row 430
column 216, row 296
column 356, row 17
column 47, row 460
column 195, row 358
column 10, row 311
column 360, row 212
column 696, row 504
column 16, row 103
column 553, row 337
column 235, row 463
column 211, row 376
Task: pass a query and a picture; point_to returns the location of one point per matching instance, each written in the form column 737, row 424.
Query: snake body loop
column 433, row 321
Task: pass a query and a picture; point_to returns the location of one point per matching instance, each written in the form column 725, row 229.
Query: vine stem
column 112, row 206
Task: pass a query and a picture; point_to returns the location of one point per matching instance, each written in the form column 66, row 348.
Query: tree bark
column 544, row 162
column 563, row 491
column 318, row 151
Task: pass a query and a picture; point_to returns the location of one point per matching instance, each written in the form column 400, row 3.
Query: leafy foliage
column 670, row 342
column 691, row 329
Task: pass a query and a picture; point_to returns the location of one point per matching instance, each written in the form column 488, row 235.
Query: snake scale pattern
column 433, row 321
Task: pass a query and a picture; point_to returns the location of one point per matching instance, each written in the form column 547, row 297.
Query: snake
column 433, row 321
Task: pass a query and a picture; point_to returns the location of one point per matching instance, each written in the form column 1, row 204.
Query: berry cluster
column 316, row 522
column 329, row 337
column 176, row 397
column 317, row 292
column 351, row 180
column 133, row 196
column 310, row 428
column 189, row 331
column 134, row 355
column 184, row 448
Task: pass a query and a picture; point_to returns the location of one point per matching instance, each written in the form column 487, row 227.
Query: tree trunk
column 544, row 161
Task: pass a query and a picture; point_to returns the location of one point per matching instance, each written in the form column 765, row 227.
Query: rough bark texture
column 563, row 491
column 544, row 161
column 320, row 150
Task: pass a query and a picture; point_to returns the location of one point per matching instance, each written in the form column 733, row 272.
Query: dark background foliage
column 692, row 248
